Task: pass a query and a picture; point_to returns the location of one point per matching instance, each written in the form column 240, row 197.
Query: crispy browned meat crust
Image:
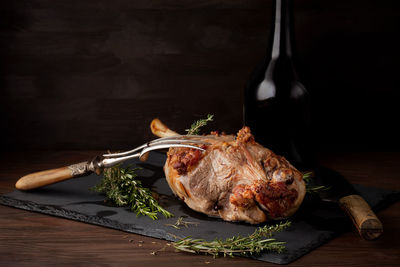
column 183, row 158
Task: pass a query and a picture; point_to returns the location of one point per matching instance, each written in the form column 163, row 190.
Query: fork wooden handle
column 42, row 178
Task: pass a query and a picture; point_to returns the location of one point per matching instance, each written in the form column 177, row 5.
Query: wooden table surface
column 28, row 238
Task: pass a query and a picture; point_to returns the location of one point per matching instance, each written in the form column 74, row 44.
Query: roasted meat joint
column 234, row 178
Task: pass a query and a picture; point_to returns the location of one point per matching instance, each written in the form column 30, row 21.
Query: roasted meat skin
column 236, row 179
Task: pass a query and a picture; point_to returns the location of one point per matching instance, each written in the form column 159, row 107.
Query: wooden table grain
column 28, row 238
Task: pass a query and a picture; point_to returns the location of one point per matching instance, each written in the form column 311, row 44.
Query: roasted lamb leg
column 235, row 178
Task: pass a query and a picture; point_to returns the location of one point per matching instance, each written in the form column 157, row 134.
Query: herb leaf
column 121, row 188
column 307, row 177
column 195, row 127
column 180, row 223
column 257, row 242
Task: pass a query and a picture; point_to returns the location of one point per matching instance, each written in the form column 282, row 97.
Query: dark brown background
column 92, row 74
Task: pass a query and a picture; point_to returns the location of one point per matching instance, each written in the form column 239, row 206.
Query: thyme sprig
column 195, row 127
column 121, row 188
column 257, row 242
column 307, row 177
column 181, row 223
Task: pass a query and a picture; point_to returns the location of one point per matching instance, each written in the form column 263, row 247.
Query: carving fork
column 97, row 165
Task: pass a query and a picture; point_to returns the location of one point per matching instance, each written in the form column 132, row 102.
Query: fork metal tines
column 188, row 141
column 178, row 139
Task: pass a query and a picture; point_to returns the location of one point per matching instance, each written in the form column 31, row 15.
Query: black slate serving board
column 314, row 224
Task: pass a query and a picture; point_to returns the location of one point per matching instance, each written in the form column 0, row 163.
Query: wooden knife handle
column 42, row 178
column 368, row 225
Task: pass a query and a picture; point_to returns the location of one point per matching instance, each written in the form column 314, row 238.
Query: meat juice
column 276, row 104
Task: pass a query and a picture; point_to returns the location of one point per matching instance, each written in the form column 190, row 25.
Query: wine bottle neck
column 282, row 31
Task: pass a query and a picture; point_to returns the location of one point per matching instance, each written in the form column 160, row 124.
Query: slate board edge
column 76, row 216
column 300, row 252
column 107, row 223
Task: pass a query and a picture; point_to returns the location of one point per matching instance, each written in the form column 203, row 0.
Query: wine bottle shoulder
column 275, row 78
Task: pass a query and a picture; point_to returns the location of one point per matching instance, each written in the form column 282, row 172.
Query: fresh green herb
column 181, row 223
column 257, row 242
column 317, row 189
column 195, row 127
column 307, row 177
column 121, row 187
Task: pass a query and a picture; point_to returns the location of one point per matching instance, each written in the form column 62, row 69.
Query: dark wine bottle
column 276, row 104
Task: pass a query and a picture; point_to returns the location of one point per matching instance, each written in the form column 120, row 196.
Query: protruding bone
column 160, row 129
